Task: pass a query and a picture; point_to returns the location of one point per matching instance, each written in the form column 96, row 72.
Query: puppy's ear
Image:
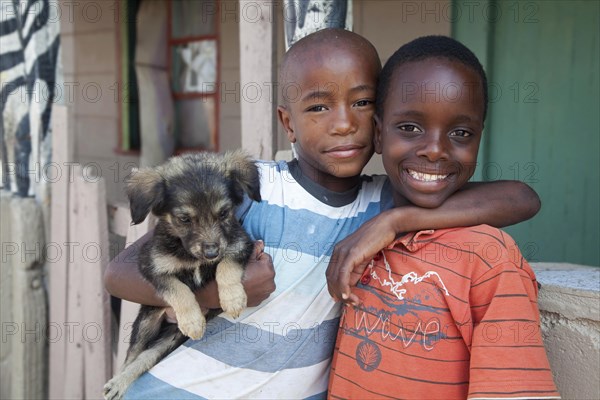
column 146, row 191
column 243, row 172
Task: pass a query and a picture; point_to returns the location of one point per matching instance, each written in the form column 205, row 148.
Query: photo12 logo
column 54, row 172
column 525, row 12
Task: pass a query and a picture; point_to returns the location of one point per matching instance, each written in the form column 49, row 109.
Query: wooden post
column 80, row 314
column 62, row 148
column 258, row 76
column 88, row 361
column 25, row 333
column 9, row 327
column 91, row 258
column 73, row 367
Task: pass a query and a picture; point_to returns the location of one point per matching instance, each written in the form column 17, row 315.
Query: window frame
column 122, row 93
column 173, row 42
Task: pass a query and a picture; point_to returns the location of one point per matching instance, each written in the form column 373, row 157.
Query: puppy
column 197, row 239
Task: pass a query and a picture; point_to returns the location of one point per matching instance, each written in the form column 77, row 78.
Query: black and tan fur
column 197, row 239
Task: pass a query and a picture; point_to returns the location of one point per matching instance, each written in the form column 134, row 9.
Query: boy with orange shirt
column 448, row 313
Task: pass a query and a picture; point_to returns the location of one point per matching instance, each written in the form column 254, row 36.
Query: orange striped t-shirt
column 445, row 314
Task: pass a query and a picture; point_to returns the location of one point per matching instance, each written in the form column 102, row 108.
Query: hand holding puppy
column 258, row 281
column 259, row 276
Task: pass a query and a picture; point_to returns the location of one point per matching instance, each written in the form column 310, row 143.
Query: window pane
column 196, row 125
column 195, row 67
column 192, row 18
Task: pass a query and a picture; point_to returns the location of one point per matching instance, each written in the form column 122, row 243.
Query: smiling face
column 430, row 130
column 328, row 112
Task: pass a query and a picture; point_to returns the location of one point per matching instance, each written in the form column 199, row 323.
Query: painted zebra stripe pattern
column 29, row 45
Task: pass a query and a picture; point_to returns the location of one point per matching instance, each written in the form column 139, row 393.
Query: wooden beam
column 29, row 315
column 62, row 154
column 258, row 76
column 91, row 259
column 73, row 367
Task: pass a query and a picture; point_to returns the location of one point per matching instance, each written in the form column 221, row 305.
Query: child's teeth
column 421, row 176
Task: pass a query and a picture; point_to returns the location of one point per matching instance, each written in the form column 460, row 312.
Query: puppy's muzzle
column 210, row 250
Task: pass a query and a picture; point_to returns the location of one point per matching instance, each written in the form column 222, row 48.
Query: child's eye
column 363, row 103
column 461, row 133
column 409, row 128
column 317, row 108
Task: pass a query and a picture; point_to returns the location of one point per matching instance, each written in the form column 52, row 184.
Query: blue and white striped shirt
column 283, row 347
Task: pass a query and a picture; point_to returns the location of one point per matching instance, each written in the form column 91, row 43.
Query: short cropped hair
column 323, row 41
column 424, row 48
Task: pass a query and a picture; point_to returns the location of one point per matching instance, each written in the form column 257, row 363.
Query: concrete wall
column 569, row 303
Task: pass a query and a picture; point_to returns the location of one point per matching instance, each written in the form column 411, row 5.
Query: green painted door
column 542, row 60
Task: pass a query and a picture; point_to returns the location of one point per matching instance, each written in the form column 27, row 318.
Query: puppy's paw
column 233, row 299
column 192, row 324
column 115, row 388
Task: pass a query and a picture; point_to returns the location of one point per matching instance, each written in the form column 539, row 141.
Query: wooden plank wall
column 62, row 148
column 81, row 359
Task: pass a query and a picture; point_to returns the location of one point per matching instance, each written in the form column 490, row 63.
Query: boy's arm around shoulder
column 499, row 204
column 123, row 279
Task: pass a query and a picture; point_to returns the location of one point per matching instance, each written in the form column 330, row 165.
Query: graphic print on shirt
column 395, row 286
column 368, row 355
column 394, row 315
